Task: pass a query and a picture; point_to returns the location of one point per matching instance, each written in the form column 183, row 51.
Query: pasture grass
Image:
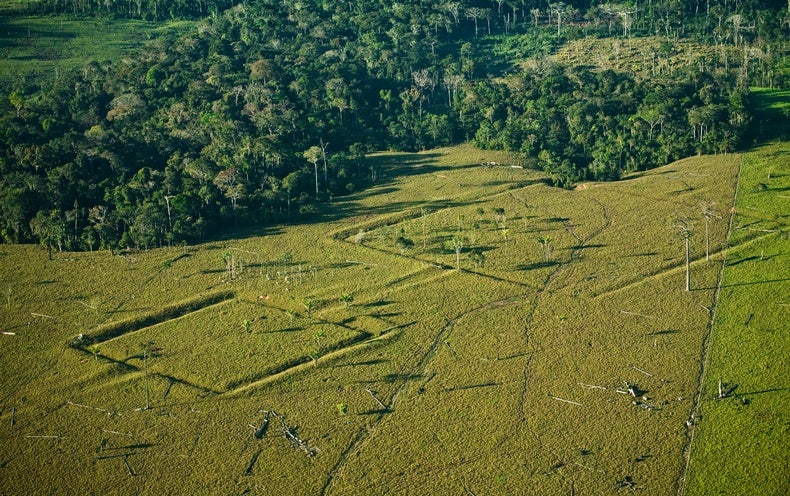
column 46, row 46
column 491, row 378
column 743, row 436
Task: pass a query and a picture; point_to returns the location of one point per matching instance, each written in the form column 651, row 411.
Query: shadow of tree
column 537, row 265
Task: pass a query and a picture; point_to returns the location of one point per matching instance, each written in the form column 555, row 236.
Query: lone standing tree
column 458, row 246
column 545, row 242
column 685, row 233
column 708, row 212
column 313, row 155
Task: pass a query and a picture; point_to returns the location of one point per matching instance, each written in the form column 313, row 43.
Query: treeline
column 583, row 125
column 632, row 17
column 268, row 108
column 150, row 10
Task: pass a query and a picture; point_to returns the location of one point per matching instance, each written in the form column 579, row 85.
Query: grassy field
column 43, row 46
column 400, row 372
column 645, row 56
column 743, row 434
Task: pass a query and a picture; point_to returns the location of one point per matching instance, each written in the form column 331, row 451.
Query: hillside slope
column 397, row 370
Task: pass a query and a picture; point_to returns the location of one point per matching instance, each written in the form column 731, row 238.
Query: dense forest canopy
column 268, row 107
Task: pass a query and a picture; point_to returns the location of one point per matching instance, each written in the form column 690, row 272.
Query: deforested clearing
column 458, row 329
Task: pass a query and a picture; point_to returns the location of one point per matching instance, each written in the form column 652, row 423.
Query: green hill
column 460, row 327
column 139, row 124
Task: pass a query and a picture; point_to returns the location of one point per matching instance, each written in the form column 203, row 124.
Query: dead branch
column 288, row 431
column 41, row 315
column 588, row 468
column 361, row 263
column 167, row 390
column 758, row 230
column 69, row 402
column 116, row 432
column 645, row 405
column 508, row 357
column 382, row 405
column 6, row 333
column 565, row 401
column 591, row 386
column 632, row 390
column 628, row 482
column 474, row 386
column 44, row 437
column 640, row 370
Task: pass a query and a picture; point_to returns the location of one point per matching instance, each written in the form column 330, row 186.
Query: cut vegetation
column 461, row 328
column 46, row 47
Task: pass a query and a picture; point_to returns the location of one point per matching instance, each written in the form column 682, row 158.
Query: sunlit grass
column 48, row 46
column 505, row 374
column 743, row 435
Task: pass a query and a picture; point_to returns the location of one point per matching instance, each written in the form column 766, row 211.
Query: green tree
column 478, row 257
column 403, row 243
column 50, row 230
column 308, row 304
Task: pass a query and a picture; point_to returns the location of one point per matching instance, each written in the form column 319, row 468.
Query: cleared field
column 566, row 360
column 45, row 46
column 743, row 434
column 645, row 56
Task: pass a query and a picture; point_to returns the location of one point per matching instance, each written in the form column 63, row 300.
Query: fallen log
column 116, row 432
column 382, row 405
column 41, row 315
column 640, row 370
column 591, row 386
column 565, row 401
column 288, row 431
column 69, row 402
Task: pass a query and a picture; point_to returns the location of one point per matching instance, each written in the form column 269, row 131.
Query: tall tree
column 313, row 155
